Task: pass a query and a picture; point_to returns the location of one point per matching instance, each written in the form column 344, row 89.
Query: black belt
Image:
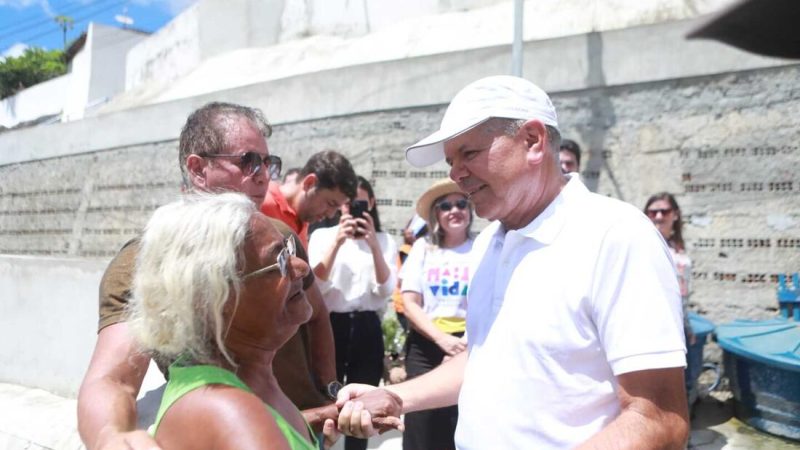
column 353, row 314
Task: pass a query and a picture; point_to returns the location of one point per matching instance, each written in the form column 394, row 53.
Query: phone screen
column 357, row 210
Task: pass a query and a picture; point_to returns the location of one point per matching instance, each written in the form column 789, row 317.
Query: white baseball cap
column 500, row 96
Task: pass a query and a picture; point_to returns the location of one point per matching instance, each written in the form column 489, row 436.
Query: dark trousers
column 431, row 429
column 403, row 321
column 359, row 354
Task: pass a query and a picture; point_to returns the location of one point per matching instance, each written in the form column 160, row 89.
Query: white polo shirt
column 555, row 310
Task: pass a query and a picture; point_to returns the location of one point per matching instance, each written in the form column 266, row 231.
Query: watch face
column 333, row 389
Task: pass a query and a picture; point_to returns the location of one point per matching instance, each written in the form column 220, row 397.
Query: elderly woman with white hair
column 218, row 290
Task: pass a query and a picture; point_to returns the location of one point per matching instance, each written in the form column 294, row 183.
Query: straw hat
column 439, row 189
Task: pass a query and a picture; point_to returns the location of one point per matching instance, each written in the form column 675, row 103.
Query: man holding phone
column 354, row 262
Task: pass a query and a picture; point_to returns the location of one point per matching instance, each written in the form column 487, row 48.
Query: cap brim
column 766, row 27
column 427, row 151
column 431, row 149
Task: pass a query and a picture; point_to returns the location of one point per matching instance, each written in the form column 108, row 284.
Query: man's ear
column 196, row 167
column 535, row 135
column 309, row 181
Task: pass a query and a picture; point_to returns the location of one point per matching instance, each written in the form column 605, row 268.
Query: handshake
column 363, row 411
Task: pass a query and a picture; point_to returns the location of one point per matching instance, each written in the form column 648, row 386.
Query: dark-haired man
column 325, row 183
column 569, row 156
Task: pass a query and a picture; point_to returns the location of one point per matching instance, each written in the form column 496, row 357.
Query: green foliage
column 394, row 338
column 32, row 67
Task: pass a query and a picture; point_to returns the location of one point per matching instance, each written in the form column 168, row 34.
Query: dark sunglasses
column 289, row 249
column 447, row 206
column 251, row 162
column 654, row 212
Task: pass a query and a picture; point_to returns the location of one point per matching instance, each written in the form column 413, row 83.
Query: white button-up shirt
column 351, row 284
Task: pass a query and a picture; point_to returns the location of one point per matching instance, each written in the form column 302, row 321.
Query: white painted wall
column 556, row 65
column 170, row 52
column 98, row 70
column 43, row 99
column 110, row 46
column 97, row 73
column 235, row 24
column 49, row 311
column 290, row 35
column 79, row 76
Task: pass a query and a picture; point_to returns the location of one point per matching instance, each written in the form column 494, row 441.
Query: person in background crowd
column 563, row 351
column 435, row 284
column 663, row 210
column 218, row 290
column 354, row 265
column 414, row 229
column 325, row 183
column 569, row 156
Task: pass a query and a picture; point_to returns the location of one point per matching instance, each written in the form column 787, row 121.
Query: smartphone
column 357, row 210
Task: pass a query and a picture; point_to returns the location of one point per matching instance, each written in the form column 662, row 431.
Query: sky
column 31, row 23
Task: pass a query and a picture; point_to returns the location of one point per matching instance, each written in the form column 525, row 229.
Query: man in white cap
column 575, row 334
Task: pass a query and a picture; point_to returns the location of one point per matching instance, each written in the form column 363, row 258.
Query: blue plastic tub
column 762, row 362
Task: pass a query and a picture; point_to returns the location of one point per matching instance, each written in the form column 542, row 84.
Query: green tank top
column 183, row 380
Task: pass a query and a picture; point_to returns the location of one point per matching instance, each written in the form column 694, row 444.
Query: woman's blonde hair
column 186, row 269
column 436, row 235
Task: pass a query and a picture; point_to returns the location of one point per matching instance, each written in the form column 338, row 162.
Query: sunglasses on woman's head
column 251, row 162
column 655, row 211
column 447, row 206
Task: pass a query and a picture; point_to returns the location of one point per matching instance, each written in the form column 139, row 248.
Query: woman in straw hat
column 435, row 280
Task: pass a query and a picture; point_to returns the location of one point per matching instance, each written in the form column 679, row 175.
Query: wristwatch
column 332, row 389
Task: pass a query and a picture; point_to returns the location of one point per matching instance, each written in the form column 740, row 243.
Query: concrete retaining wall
column 49, row 310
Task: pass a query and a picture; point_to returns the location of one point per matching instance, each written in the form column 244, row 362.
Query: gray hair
column 187, row 270
column 510, row 127
column 206, row 131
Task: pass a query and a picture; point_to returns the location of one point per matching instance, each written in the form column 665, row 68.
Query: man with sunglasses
column 222, row 148
column 573, row 313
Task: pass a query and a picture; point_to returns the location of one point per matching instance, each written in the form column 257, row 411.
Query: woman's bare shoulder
column 219, row 417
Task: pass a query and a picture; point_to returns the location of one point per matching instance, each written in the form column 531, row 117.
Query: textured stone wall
column 87, row 204
column 727, row 145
